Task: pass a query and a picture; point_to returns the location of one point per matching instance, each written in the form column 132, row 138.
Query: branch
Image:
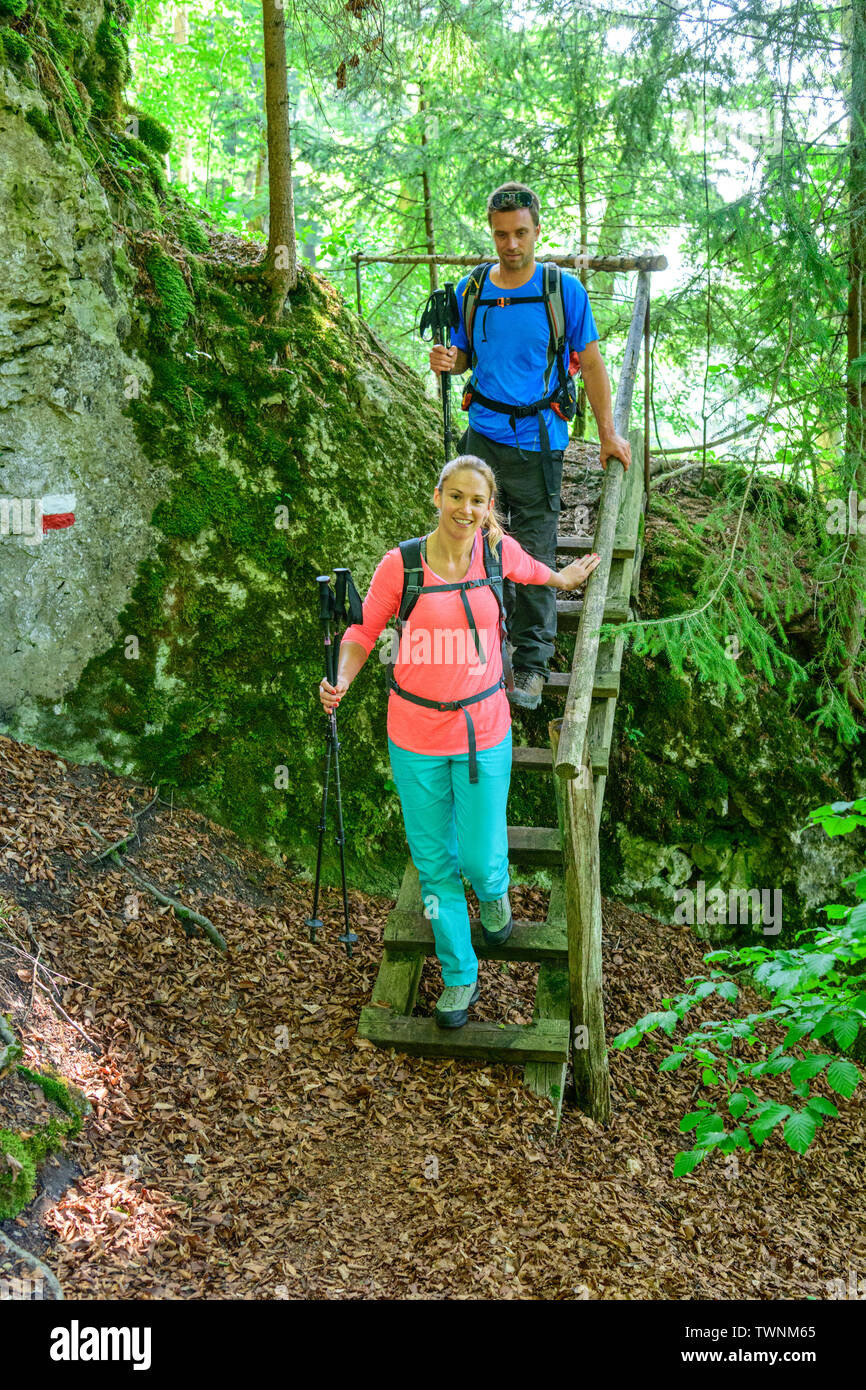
column 182, row 912
column 119, row 844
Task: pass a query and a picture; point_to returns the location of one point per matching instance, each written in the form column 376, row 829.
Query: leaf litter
column 245, row 1143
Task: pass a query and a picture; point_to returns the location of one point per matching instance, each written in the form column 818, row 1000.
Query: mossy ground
column 18, row 1179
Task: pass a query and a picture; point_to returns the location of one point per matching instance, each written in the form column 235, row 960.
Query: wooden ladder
column 567, row 944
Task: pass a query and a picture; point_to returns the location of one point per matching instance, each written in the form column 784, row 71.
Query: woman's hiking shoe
column 497, row 922
column 528, row 686
column 453, row 1004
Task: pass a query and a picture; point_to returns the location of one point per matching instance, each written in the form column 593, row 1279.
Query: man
column 511, row 341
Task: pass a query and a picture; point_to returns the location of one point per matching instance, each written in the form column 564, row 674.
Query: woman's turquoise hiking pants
column 453, row 826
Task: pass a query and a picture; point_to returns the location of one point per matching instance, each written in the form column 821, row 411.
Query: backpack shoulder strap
column 471, row 296
column 413, row 576
column 554, row 304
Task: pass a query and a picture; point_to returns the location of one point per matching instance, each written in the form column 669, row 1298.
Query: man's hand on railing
column 614, row 446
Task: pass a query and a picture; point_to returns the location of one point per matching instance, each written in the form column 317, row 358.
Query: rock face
column 68, row 445
column 708, row 797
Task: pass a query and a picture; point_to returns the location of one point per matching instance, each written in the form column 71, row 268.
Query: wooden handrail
column 578, row 701
column 578, row 261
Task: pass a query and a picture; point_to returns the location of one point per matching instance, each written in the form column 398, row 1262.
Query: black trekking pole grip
column 326, row 613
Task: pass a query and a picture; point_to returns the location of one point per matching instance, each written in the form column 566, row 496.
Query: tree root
column 184, row 913
column 11, row 1050
column 45, row 1273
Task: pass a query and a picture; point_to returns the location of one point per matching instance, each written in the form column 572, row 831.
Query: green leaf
column 821, row 1106
column 843, row 1076
column 629, row 1038
column 738, row 1104
column 672, row 1062
column 808, row 1067
column 845, row 1030
column 708, row 1077
column 769, row 1115
column 686, row 1161
column 800, row 1131
column 691, row 1120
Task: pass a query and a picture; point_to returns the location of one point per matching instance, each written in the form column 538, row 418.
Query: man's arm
column 597, row 386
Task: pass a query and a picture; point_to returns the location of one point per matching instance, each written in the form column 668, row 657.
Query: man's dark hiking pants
column 530, row 609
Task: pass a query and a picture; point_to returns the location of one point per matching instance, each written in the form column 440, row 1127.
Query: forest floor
column 245, row 1143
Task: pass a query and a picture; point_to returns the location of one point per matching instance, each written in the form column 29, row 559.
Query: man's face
column 514, row 235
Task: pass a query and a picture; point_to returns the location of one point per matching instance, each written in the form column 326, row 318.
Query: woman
column 453, row 788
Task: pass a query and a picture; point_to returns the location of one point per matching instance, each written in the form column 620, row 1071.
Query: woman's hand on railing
column 575, row 575
column 330, row 695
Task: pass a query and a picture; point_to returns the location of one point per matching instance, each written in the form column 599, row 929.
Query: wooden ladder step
column 541, row 941
column 605, row 683
column 607, row 672
column 582, row 545
column 568, row 611
column 600, row 734
column 545, row 1040
column 534, row 844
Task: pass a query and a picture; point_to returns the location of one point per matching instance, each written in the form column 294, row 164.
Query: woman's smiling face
column 463, row 502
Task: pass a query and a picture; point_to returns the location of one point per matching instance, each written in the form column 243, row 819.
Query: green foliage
column 816, row 992
column 13, row 8
column 153, row 133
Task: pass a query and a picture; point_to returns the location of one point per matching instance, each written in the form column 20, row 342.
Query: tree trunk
column 281, row 265
column 579, row 431
column 425, row 184
column 854, row 577
column 256, row 224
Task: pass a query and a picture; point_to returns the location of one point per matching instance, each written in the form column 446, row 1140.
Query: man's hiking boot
column 453, row 1004
column 528, row 686
column 497, row 922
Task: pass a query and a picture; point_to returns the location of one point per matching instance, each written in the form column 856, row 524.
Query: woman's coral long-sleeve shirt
column 437, row 657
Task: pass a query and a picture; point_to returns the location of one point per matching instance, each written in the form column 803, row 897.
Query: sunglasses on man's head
column 511, row 198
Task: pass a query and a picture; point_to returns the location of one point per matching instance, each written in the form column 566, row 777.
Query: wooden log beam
column 576, row 811
column 608, row 263
column 578, row 702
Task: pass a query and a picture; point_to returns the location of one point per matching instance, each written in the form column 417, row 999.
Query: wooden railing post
column 576, row 812
column 572, row 741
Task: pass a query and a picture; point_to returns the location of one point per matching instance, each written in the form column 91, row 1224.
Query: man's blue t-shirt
column 511, row 344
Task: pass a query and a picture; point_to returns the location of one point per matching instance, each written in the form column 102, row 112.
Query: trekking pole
column 356, row 615
column 440, row 315
column 331, row 612
column 326, row 612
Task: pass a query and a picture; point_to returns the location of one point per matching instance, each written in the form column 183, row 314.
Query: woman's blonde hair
column 495, row 526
